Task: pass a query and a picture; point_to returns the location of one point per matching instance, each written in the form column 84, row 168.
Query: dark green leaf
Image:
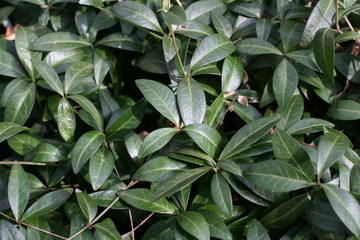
column 97, row 3
column 257, row 46
column 76, row 225
column 176, row 15
column 247, row 113
column 191, row 101
column 221, row 194
column 66, row 119
column 257, row 231
column 277, row 176
column 42, row 223
column 309, row 125
column 305, row 57
column 46, row 152
column 263, row 28
column 101, row 166
column 217, row 227
column 201, row 10
column 354, row 179
column 232, row 73
column 18, row 190
column 75, row 74
column 195, row 224
column 344, row 110
column 49, row 75
column 196, row 30
column 156, row 140
column 108, row 228
column 160, row 230
column 141, row 199
column 324, row 51
column 222, row 24
column 292, row 113
column 230, row 166
column 9, row 66
column 169, row 47
column 87, row 205
column 9, row 129
column 84, row 148
column 9, row 231
column 161, row 97
column 12, row 88
column 47, row 203
column 345, row 206
column 121, row 41
column 178, row 182
column 247, row 135
column 23, row 143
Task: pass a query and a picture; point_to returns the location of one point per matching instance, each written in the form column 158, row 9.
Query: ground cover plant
column 159, row 119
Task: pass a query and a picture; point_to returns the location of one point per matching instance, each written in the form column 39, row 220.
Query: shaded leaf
column 257, row 231
column 9, row 129
column 309, row 125
column 12, row 88
column 9, row 66
column 324, row 51
column 256, row 46
column 49, row 75
column 75, row 74
column 18, row 190
column 195, row 224
column 121, row 41
column 344, row 110
column 156, row 140
column 221, row 194
column 108, row 228
column 101, row 166
column 9, row 231
column 87, row 205
column 232, row 73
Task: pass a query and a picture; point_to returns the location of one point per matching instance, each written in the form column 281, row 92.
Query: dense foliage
column 159, row 119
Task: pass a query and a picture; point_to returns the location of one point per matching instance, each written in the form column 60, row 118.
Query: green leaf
column 47, row 203
column 18, row 190
column 305, row 57
column 87, row 205
column 161, row 98
column 287, row 213
column 35, row 234
column 346, row 36
column 58, row 41
column 206, row 137
column 24, row 36
column 230, row 166
column 344, row 110
column 195, row 224
column 309, row 125
column 19, row 108
column 169, row 47
column 324, row 51
column 331, row 147
column 159, row 230
column 102, row 61
column 46, row 152
column 156, row 140
column 196, row 30
column 246, row 113
column 217, row 227
column 257, row 231
column 12, row 88
column 141, row 199
column 9, row 231
column 176, row 15
column 287, row 147
column 97, row 3
column 253, row 9
column 222, row 24
column 101, row 166
column 215, row 111
column 23, row 143
column 355, row 178
column 201, row 10
column 66, row 119
column 76, row 225
column 191, row 101
column 108, row 228
column 345, row 206
column 84, row 148
column 179, row 181
column 75, row 74
column 263, row 28
column 285, row 82
column 211, row 49
column 49, row 75
column 320, row 17
column 9, row 66
column 257, row 46
column 232, row 73
column 157, row 169
column 89, row 107
column 9, row 129
column 292, row 113
column 221, row 194
column 138, row 14
column 121, row 123
column 121, row 41
column 247, row 135
column 277, row 176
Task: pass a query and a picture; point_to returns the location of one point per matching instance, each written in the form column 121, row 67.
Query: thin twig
column 176, row 49
column 130, row 185
column 39, row 229
column 140, row 224
column 27, row 163
column 349, row 24
column 132, row 225
column 337, row 17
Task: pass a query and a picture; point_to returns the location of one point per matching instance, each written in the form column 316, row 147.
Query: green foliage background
column 210, row 119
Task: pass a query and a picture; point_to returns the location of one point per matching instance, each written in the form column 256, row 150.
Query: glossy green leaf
column 23, row 143
column 195, row 224
column 176, row 15
column 160, row 97
column 49, row 75
column 196, row 30
column 285, row 82
column 169, row 47
column 108, row 228
column 9, row 129
column 211, row 49
column 101, row 166
column 19, row 108
column 222, row 24
column 206, row 137
column 141, row 199
column 331, row 147
column 75, row 74
column 46, row 152
column 346, row 36
column 232, row 73
column 217, row 227
column 18, row 191
column 345, row 206
column 179, row 181
column 310, row 125
column 101, row 63
column 89, row 107
column 221, row 194
column 9, row 231
column 263, row 28
column 156, row 140
column 287, row 147
column 288, row 212
column 160, row 230
column 58, row 41
column 215, row 111
column 305, row 57
column 121, row 123
column 324, row 51
column 230, row 166
column 201, row 10
column 321, row 17
column 97, row 3
column 87, row 205
column 191, row 101
column 12, row 88
column 157, row 169
column 9, row 66
column 47, row 203
column 121, row 41
column 257, row 231
column 76, row 225
column 66, row 119
column 292, row 113
column 137, row 14
column 354, row 179
column 247, row 135
column 256, row 46
column 344, row 110
column 247, row 113
column 42, row 223
column 277, row 176
column 85, row 148
column 24, row 36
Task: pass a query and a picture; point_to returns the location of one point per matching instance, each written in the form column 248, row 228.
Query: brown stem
column 140, row 224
